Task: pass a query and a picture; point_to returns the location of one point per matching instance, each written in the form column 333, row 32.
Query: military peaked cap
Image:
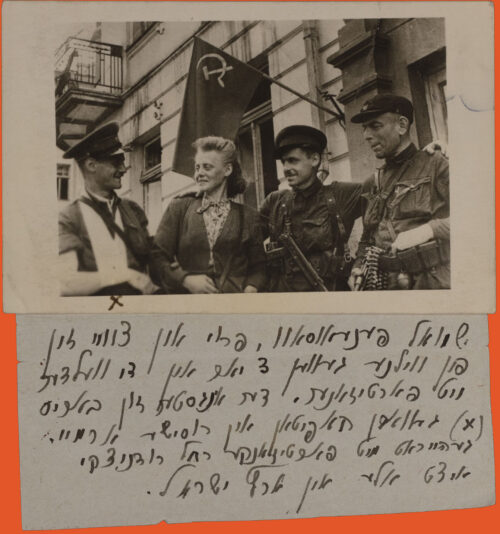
column 299, row 136
column 100, row 143
column 384, row 103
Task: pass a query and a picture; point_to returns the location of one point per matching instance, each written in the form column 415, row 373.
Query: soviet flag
column 218, row 91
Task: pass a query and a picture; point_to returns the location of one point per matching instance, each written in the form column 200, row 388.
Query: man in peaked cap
column 405, row 242
column 318, row 218
column 104, row 246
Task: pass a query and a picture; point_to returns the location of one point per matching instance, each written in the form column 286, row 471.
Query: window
column 152, row 204
column 152, row 154
column 255, row 142
column 435, row 93
column 62, row 182
column 151, row 181
column 151, row 166
column 428, row 91
column 139, row 29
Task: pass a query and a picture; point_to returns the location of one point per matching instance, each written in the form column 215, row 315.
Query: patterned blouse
column 214, row 216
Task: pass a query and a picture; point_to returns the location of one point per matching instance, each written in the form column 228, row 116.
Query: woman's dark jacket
column 181, row 248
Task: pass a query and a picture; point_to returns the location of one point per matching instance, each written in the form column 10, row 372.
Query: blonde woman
column 206, row 242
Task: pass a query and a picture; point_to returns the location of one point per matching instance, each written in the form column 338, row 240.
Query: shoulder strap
column 287, row 199
column 111, row 225
column 282, row 205
column 331, row 205
column 285, row 205
column 391, row 185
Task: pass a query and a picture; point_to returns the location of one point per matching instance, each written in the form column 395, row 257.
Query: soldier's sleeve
column 140, row 215
column 265, row 216
column 440, row 222
column 256, row 275
column 168, row 272
column 69, row 234
column 441, row 228
column 366, row 236
column 351, row 203
column 152, row 261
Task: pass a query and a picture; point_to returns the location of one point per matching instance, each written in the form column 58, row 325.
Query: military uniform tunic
column 417, row 185
column 74, row 235
column 312, row 227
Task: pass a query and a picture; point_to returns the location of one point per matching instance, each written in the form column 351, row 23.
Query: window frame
column 434, row 81
column 251, row 122
column 151, row 174
column 147, row 31
column 418, row 73
column 63, row 177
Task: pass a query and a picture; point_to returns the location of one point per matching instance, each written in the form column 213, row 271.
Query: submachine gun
column 309, row 272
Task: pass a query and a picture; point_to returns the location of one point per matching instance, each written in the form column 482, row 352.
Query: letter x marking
column 469, row 423
column 115, row 300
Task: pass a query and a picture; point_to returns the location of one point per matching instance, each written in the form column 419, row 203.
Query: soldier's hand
column 412, row 238
column 142, row 282
column 437, row 145
column 250, row 289
column 355, row 273
column 199, row 283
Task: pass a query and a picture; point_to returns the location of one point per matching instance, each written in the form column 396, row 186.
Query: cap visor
column 366, row 116
column 118, row 151
column 278, row 152
column 70, row 153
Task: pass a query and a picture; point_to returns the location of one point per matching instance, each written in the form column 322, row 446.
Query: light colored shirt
column 109, row 251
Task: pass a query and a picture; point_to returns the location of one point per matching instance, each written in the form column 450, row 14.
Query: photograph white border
column 29, row 156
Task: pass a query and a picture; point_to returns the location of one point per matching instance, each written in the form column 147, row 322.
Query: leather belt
column 417, row 259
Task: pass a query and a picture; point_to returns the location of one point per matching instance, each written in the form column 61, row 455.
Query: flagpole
column 296, row 93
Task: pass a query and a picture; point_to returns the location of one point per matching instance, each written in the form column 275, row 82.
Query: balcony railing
column 88, row 66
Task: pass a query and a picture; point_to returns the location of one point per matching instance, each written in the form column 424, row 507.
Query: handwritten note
column 135, row 420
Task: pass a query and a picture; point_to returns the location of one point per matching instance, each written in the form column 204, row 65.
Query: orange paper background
column 484, row 520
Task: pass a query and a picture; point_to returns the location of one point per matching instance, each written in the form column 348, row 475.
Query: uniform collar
column 111, row 203
column 403, row 156
column 311, row 190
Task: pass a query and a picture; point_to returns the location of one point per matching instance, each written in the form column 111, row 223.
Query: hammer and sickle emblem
column 221, row 71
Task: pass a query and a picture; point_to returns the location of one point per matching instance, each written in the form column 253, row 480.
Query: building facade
column 135, row 73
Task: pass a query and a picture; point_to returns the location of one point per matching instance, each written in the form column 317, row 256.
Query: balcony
column 89, row 83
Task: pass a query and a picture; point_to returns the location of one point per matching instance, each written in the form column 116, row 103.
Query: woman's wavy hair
column 236, row 184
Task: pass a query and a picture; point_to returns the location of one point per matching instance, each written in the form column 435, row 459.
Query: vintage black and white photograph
column 253, row 156
column 246, row 156
column 284, row 213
